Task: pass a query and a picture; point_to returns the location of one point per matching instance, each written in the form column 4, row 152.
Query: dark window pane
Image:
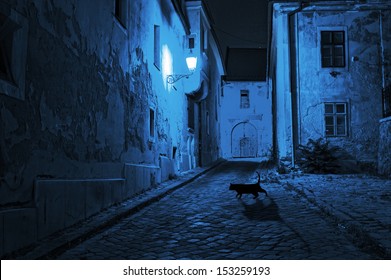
column 329, row 121
column 327, row 62
column 338, row 37
column 326, row 37
column 341, row 120
column 329, row 130
column 339, row 61
column 328, row 108
column 327, row 51
column 340, row 108
column 341, row 130
column 338, row 50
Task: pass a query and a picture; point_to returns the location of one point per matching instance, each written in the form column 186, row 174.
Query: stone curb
column 54, row 245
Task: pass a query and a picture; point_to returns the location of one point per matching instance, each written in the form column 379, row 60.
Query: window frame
column 344, row 44
column 244, row 93
column 334, row 116
column 152, row 124
column 157, row 60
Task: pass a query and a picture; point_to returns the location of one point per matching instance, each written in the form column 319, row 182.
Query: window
column 333, row 48
column 13, row 52
column 121, row 11
column 191, row 42
column 156, row 40
column 335, row 119
column 190, row 113
column 244, row 99
column 151, row 124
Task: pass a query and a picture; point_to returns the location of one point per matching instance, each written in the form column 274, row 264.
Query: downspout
column 293, row 78
column 383, row 70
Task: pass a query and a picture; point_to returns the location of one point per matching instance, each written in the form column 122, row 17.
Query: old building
column 97, row 104
column 329, row 64
column 246, row 120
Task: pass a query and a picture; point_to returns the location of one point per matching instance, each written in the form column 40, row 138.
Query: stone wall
column 97, row 121
column 384, row 162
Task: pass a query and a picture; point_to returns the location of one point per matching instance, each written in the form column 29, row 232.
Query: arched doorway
column 244, row 140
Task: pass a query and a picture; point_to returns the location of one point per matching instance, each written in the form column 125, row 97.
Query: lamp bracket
column 171, row 79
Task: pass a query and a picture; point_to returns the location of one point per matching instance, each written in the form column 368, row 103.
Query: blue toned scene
column 198, row 130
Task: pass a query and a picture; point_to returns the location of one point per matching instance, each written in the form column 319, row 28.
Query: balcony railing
column 387, row 101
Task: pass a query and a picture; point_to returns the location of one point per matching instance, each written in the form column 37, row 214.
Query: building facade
column 246, row 120
column 89, row 113
column 329, row 62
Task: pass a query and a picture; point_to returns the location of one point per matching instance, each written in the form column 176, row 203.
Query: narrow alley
column 204, row 220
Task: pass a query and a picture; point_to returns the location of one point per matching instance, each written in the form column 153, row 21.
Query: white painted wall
column 258, row 115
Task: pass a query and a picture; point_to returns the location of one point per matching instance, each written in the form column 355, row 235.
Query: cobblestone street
column 304, row 217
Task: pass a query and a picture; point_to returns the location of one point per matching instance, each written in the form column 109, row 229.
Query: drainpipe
column 293, row 78
column 383, row 70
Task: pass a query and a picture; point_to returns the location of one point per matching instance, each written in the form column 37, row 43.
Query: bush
column 318, row 157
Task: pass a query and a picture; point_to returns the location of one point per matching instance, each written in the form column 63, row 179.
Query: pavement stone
column 304, row 217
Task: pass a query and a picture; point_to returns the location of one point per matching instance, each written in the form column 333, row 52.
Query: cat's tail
column 259, row 177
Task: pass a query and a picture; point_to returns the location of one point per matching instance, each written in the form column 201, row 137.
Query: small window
column 121, row 11
column 190, row 113
column 156, row 40
column 333, row 48
column 335, row 119
column 244, row 99
column 191, row 42
column 151, row 123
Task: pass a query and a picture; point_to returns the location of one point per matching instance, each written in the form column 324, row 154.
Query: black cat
column 248, row 188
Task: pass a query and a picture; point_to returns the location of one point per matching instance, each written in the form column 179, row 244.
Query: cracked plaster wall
column 359, row 84
column 89, row 86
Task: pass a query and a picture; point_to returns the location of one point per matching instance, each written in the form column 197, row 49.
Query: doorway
column 244, row 141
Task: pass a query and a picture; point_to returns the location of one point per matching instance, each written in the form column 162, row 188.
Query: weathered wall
column 384, row 166
column 258, row 115
column 90, row 85
column 84, row 118
column 358, row 84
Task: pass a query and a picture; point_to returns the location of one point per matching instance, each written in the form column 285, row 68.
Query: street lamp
column 191, row 62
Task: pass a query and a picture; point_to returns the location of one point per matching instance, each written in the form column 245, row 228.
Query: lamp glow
column 191, row 62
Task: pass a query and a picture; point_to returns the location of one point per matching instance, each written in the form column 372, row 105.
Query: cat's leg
column 256, row 194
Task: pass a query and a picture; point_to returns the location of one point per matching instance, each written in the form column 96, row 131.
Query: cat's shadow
column 261, row 210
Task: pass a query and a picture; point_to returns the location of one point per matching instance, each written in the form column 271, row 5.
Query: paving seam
column 92, row 230
column 366, row 241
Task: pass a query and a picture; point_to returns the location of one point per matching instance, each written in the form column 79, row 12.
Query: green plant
column 318, row 157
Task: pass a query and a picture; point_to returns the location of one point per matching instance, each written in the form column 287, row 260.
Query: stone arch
column 244, row 140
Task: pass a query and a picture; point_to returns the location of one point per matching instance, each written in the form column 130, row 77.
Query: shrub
column 318, row 157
